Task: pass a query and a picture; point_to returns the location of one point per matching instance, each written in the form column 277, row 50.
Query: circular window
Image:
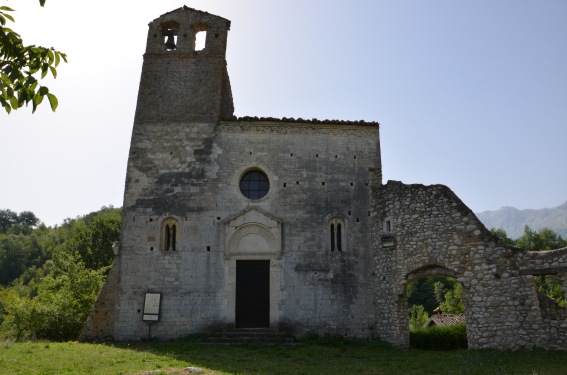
column 254, row 184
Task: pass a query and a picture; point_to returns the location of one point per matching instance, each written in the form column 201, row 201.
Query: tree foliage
column 502, row 235
column 62, row 304
column 453, row 301
column 50, row 277
column 22, row 67
column 14, row 222
column 543, row 239
column 418, row 317
column 423, row 292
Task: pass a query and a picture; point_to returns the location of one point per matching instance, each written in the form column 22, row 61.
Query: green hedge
column 439, row 338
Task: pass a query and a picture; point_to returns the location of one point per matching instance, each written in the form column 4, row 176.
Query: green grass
column 313, row 356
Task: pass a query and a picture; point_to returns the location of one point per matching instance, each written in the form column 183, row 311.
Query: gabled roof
column 186, row 8
column 445, row 320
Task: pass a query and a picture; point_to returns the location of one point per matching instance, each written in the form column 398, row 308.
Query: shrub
column 439, row 338
column 418, row 317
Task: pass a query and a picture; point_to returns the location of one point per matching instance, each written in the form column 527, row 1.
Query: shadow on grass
column 311, row 355
column 334, row 355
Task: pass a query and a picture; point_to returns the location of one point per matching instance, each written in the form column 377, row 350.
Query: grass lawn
column 318, row 356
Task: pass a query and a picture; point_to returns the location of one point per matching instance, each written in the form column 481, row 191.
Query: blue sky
column 472, row 95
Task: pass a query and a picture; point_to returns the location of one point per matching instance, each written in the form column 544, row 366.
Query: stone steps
column 243, row 337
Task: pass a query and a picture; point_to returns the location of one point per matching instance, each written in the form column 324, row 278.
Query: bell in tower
column 170, row 42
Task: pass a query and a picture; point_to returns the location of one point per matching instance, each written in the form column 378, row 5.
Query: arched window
column 336, row 234
column 169, row 234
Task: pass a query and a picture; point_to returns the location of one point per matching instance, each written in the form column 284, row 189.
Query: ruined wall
column 435, row 233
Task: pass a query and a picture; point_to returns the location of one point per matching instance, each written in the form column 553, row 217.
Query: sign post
column 151, row 310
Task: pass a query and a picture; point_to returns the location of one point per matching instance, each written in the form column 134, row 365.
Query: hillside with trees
column 51, row 276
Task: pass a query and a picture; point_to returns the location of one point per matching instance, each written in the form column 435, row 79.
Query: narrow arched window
column 169, row 233
column 167, row 237
column 336, row 234
column 332, row 237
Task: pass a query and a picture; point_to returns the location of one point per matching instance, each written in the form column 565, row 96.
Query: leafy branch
column 21, row 68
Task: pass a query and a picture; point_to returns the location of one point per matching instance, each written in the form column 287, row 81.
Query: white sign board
column 151, row 307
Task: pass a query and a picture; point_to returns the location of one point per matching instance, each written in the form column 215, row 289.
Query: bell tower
column 179, row 82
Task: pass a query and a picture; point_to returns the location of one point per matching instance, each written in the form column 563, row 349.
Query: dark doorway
column 252, row 294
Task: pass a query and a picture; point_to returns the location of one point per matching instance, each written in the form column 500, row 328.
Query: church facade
column 285, row 224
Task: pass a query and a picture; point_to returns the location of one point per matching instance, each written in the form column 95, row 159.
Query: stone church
column 285, row 224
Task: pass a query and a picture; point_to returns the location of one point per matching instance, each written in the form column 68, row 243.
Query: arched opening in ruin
column 435, row 308
column 550, row 296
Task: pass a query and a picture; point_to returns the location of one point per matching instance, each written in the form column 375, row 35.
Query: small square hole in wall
column 357, row 220
column 151, row 219
column 336, row 156
column 368, row 213
column 297, row 182
column 218, row 217
column 290, row 154
column 351, row 184
column 284, row 184
column 355, row 156
column 151, row 249
column 250, row 153
column 349, row 213
column 208, row 248
column 366, row 184
column 323, row 183
column 316, row 155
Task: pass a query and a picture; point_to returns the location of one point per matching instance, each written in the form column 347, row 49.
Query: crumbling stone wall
column 435, row 233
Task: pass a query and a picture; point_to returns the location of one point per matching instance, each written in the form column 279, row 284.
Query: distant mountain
column 513, row 220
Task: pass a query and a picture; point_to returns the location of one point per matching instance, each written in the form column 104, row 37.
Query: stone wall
column 316, row 172
column 435, row 233
column 187, row 156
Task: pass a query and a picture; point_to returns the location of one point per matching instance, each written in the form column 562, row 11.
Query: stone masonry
column 437, row 234
column 213, row 202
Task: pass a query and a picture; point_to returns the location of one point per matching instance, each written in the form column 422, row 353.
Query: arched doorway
column 436, row 315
